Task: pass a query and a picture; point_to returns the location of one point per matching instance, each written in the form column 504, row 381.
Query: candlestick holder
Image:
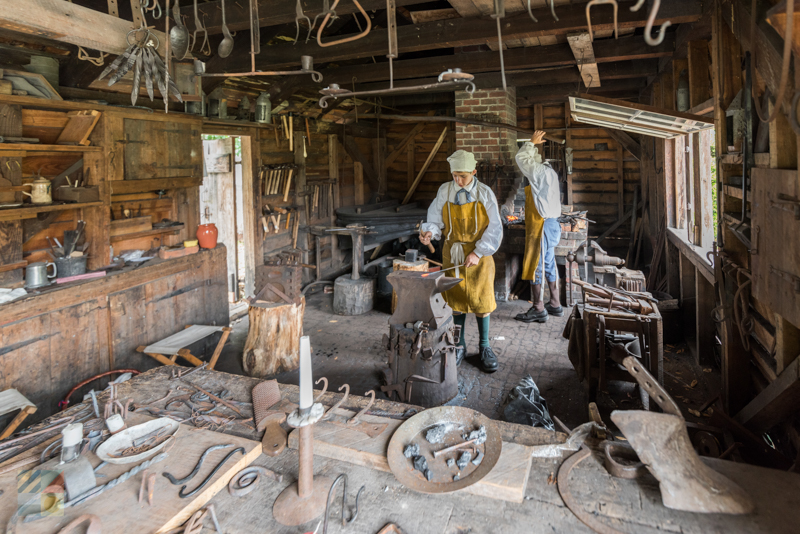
column 305, row 499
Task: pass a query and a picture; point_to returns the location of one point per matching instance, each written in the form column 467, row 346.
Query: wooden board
column 118, row 508
column 79, row 126
column 507, row 481
column 130, row 226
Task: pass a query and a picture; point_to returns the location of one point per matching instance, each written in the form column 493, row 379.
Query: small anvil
column 419, row 297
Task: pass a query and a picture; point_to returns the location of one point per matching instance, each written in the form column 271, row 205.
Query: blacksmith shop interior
column 399, row 266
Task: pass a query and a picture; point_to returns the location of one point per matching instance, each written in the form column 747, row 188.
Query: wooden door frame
column 251, row 200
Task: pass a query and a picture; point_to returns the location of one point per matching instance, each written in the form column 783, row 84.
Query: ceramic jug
column 40, row 191
column 36, row 274
column 207, row 235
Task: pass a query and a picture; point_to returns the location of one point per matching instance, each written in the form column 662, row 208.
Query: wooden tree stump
column 353, row 297
column 273, row 341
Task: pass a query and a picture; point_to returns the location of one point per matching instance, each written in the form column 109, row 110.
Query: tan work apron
column 475, row 294
column 534, row 229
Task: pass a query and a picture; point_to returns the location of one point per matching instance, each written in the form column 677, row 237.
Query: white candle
column 306, row 380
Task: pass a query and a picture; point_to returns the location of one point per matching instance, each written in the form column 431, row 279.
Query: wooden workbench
column 631, row 506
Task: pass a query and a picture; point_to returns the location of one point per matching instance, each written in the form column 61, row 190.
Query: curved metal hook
column 638, row 5
column 553, row 9
column 333, row 408
column 531, row 13
column 371, row 394
column 589, row 15
column 324, row 387
column 648, row 29
column 331, row 491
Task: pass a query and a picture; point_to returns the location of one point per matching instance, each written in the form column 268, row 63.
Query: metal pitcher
column 36, row 274
column 40, row 191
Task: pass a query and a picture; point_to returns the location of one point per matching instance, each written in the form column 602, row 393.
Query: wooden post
column 568, row 144
column 424, row 168
column 620, row 183
column 358, row 182
column 411, row 163
column 698, row 73
column 251, row 199
column 704, row 325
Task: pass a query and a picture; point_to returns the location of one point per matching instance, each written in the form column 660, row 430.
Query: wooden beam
column 699, row 86
column 352, row 149
column 581, row 45
column 775, row 403
column 70, row 23
column 464, row 32
column 424, row 168
column 703, row 108
column 560, row 91
column 398, row 149
column 558, row 55
column 270, row 13
column 620, row 222
column 627, row 142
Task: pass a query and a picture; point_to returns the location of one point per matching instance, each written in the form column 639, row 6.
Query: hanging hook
column 354, row 419
column 638, row 5
column 589, row 15
column 553, row 9
column 324, row 387
column 531, row 13
column 648, row 38
column 332, row 409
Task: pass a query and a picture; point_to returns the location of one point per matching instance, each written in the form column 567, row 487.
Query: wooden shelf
column 35, row 147
column 30, row 212
column 148, row 233
column 126, row 187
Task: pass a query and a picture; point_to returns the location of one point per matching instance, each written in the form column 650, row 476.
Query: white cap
column 72, row 435
column 462, row 161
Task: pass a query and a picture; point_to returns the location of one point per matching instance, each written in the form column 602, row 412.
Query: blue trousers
column 551, row 235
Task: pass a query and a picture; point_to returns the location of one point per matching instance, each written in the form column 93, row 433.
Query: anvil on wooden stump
column 422, row 340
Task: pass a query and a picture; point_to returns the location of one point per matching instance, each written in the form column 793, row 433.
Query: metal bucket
column 71, row 266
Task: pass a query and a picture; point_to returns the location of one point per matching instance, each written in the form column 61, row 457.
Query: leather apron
column 534, row 230
column 464, row 226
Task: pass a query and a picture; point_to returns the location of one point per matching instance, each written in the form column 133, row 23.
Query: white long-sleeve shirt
column 492, row 236
column 543, row 180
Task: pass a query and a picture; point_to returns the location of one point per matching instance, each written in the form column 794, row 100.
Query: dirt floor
column 348, row 350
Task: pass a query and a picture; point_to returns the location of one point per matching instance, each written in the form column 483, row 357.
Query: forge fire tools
column 466, row 214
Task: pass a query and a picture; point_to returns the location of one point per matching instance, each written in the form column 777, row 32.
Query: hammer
column 430, row 245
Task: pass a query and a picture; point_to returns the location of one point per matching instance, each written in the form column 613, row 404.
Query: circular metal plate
column 413, row 431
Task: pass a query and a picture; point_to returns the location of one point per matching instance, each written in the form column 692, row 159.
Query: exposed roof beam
column 608, row 71
column 271, row 12
column 69, row 23
column 461, row 32
column 606, row 51
column 581, row 44
column 562, row 90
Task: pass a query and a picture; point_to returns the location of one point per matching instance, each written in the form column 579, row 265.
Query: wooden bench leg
column 12, row 426
column 161, row 358
column 187, row 355
column 225, row 333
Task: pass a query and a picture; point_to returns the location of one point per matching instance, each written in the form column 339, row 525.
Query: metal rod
column 305, row 478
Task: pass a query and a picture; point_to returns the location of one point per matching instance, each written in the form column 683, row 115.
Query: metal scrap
column 183, row 495
column 197, row 467
column 331, row 492
column 148, row 485
column 247, row 479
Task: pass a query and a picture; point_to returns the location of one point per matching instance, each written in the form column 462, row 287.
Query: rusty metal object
column 148, row 485
column 197, row 467
column 587, row 518
column 324, row 381
column 589, row 16
column 419, row 297
column 630, row 467
column 345, row 521
column 248, row 478
column 195, row 523
column 646, row 381
column 346, row 39
column 332, row 410
column 95, row 526
column 413, row 431
column 183, row 495
column 455, row 447
column 371, row 394
column 686, row 483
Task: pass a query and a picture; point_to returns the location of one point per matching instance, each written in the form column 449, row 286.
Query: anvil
column 419, row 297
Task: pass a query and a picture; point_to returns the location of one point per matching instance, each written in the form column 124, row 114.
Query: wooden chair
column 168, row 349
column 11, row 400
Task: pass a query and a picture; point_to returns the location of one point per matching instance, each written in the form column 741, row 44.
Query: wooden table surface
column 631, row 506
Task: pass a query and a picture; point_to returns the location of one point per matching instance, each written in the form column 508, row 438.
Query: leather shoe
column 533, row 316
column 488, row 360
column 552, row 310
column 461, row 351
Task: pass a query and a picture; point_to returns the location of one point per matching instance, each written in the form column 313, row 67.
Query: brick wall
column 496, row 147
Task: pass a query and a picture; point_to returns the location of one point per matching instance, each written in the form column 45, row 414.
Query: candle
column 306, row 381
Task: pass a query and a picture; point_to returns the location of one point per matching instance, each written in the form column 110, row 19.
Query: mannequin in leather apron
column 466, row 215
column 542, row 230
